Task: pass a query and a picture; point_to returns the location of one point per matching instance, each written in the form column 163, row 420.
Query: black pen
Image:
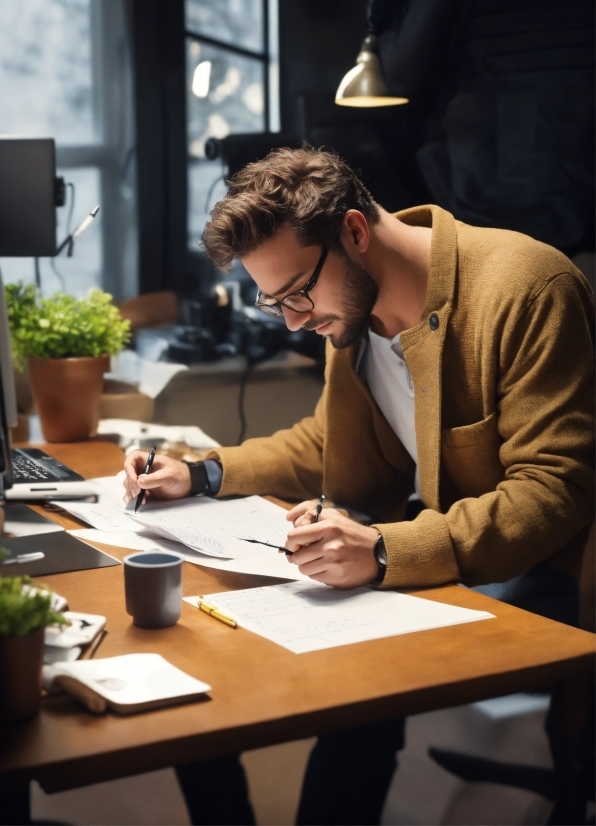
column 150, row 459
column 286, row 551
column 319, row 508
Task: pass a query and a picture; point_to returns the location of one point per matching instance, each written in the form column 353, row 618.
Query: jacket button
column 433, row 321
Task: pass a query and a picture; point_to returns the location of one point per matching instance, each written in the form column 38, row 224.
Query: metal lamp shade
column 364, row 85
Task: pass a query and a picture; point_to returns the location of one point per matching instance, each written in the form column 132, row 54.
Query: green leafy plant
column 24, row 609
column 62, row 326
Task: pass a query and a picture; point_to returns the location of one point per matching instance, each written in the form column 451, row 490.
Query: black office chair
column 570, row 727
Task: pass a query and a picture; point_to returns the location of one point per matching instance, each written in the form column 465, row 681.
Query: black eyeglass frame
column 275, row 308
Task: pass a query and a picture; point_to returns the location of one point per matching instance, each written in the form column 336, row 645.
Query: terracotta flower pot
column 20, row 676
column 67, row 393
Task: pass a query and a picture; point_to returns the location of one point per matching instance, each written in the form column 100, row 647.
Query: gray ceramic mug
column 153, row 588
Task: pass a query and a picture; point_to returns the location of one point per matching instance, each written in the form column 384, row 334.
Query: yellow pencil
column 213, row 611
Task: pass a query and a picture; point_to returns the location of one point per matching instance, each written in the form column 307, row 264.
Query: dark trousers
column 348, row 774
column 346, row 781
column 216, row 791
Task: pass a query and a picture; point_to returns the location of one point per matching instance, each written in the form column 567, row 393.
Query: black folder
column 63, row 553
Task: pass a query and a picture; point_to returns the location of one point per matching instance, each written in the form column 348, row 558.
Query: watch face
column 198, row 478
column 381, row 559
column 380, row 551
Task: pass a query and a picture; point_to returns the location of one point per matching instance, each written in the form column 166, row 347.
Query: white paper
column 218, row 528
column 60, row 655
column 131, row 431
column 109, row 513
column 264, row 562
column 150, row 376
column 309, row 616
column 156, row 374
column 142, row 541
column 82, row 630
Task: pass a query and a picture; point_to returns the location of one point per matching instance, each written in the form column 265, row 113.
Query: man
column 459, row 368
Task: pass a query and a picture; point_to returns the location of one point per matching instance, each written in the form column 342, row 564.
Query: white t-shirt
column 384, row 371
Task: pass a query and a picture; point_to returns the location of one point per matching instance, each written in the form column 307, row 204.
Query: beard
column 359, row 296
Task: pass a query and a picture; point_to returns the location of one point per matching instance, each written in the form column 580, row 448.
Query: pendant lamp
column 365, row 84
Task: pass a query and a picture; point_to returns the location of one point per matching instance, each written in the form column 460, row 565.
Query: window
column 231, row 82
column 65, row 73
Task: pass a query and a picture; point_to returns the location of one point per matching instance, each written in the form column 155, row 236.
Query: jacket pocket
column 470, row 456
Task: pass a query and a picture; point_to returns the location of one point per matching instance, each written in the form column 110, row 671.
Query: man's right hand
column 168, row 479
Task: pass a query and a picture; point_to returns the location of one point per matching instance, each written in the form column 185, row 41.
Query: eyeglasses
column 298, row 302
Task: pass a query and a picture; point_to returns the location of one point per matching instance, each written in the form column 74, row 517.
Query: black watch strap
column 199, row 481
column 381, row 558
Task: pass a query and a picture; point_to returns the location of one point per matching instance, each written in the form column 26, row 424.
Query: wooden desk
column 263, row 694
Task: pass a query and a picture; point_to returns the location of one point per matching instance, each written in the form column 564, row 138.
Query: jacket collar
column 423, row 347
column 441, row 278
column 443, row 264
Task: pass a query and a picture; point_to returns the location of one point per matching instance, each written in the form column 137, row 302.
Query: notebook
column 131, row 682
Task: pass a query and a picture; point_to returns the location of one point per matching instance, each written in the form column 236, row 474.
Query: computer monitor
column 8, row 403
column 28, row 196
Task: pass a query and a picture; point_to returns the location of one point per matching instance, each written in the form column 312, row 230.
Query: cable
column 241, row 413
column 71, row 208
column 55, row 269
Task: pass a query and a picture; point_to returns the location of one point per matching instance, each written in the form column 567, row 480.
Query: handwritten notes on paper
column 205, row 531
column 215, row 527
column 107, row 514
column 308, row 616
column 264, row 561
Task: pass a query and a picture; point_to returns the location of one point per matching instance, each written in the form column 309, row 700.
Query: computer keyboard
column 23, row 468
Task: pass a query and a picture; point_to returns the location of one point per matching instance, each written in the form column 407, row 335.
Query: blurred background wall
column 499, row 128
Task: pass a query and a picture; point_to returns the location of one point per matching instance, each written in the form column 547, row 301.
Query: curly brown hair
column 309, row 189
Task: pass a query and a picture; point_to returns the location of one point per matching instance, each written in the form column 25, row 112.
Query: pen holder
column 153, row 588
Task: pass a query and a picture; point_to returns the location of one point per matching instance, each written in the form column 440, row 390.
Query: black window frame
column 159, row 39
column 264, row 56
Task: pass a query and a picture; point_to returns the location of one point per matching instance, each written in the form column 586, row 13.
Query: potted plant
column 24, row 614
column 65, row 343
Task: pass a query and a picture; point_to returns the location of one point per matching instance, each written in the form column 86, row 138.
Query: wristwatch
column 381, row 559
column 199, row 481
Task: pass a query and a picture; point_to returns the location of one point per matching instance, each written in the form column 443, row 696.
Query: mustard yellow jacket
column 504, row 407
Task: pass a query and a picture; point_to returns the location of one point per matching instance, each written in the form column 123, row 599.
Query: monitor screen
column 8, row 405
column 28, row 202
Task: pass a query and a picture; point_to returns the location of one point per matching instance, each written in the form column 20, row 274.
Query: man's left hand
column 335, row 550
